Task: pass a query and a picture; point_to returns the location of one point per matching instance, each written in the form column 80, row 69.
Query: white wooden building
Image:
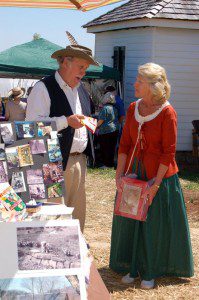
column 165, row 32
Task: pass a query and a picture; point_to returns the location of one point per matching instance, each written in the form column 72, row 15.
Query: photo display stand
column 31, row 161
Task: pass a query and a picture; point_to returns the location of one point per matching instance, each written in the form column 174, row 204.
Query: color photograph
column 25, row 156
column 55, row 190
column 37, row 146
column 37, row 191
column 24, row 129
column 12, row 157
column 34, row 176
column 7, row 133
column 44, row 128
column 53, row 172
column 48, row 288
column 54, row 150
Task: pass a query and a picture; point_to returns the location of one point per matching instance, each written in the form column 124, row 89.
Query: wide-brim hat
column 76, row 51
column 16, row 92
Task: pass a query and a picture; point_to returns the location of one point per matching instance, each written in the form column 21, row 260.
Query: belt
column 75, row 153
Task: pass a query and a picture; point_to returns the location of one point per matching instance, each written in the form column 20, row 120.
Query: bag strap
column 138, row 137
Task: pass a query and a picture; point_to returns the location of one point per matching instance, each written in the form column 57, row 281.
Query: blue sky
column 19, row 24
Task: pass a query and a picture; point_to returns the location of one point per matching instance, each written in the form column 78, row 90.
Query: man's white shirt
column 38, row 109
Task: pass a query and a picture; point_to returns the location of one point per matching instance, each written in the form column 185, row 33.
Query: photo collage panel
column 31, row 160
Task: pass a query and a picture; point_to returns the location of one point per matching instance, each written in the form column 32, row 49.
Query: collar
column 62, row 83
column 148, row 118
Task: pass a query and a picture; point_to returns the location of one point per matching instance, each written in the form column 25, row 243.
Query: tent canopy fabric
column 83, row 5
column 33, row 60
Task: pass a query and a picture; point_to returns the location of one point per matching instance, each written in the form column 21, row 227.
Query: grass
column 189, row 179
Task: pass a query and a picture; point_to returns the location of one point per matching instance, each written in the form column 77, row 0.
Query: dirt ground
column 100, row 197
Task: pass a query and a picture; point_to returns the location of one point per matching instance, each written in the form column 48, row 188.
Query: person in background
column 15, row 109
column 119, row 103
column 161, row 245
column 108, row 124
column 2, row 108
column 63, row 99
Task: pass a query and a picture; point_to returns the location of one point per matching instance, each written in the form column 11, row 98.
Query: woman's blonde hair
column 157, row 79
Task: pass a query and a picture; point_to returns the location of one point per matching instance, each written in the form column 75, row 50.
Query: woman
column 161, row 245
column 108, row 129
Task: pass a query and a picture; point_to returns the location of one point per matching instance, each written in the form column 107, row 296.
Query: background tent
column 33, row 60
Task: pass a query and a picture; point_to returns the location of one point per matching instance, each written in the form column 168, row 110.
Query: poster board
column 41, row 250
column 30, row 159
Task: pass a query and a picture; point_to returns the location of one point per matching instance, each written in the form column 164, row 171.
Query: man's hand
column 74, row 121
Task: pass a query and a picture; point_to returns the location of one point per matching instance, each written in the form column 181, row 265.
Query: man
column 15, row 108
column 62, row 98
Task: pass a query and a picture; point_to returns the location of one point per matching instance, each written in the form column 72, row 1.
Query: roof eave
column 144, row 22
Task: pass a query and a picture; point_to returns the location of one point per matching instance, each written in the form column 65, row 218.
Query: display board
column 30, row 160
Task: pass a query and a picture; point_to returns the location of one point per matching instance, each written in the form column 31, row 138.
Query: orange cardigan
column 160, row 136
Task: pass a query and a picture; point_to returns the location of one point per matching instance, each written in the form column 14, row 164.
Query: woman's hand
column 118, row 180
column 151, row 192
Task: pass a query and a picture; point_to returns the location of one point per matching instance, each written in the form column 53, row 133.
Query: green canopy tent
column 33, row 60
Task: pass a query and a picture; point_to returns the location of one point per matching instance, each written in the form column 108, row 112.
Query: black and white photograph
column 18, row 182
column 37, row 191
column 54, row 151
column 53, row 172
column 12, row 157
column 2, row 152
column 3, row 172
column 24, row 129
column 34, row 176
column 49, row 288
column 37, row 146
column 7, row 133
column 50, row 247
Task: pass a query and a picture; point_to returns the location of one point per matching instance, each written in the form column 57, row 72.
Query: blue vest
column 59, row 107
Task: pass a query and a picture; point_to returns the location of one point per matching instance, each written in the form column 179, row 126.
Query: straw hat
column 76, row 51
column 16, row 92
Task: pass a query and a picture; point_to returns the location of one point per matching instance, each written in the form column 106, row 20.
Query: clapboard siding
column 138, row 43
column 175, row 49
column 178, row 51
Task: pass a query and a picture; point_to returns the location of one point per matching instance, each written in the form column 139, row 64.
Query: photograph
column 3, row 172
column 2, row 152
column 130, row 199
column 37, row 146
column 24, row 129
column 48, row 247
column 53, row 172
column 55, row 190
column 7, row 133
column 37, row 191
column 60, row 287
column 10, row 200
column 44, row 128
column 54, row 151
column 34, row 176
column 18, row 182
column 25, row 156
column 12, row 157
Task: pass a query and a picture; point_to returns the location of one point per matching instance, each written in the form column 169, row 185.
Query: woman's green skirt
column 158, row 247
